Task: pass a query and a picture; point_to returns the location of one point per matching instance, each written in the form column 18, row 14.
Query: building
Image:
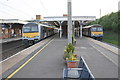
column 11, row 28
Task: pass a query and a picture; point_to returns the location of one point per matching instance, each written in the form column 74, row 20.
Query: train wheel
column 100, row 39
column 31, row 42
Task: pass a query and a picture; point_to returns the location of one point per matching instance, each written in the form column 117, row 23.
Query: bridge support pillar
column 70, row 22
column 81, row 24
column 73, row 28
column 60, row 30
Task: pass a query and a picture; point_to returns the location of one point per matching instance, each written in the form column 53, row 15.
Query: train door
column 48, row 32
column 42, row 32
column 39, row 31
column 89, row 31
column 45, row 32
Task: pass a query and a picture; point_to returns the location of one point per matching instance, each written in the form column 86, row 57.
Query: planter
column 71, row 64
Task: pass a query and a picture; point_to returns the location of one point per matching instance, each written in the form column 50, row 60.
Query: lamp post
column 69, row 22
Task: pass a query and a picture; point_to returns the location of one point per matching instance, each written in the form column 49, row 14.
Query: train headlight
column 36, row 36
column 25, row 37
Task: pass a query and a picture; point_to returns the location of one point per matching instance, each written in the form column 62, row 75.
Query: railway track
column 9, row 52
column 11, row 48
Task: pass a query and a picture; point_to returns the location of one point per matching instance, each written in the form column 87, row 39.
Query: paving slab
column 102, row 62
column 11, row 61
column 49, row 63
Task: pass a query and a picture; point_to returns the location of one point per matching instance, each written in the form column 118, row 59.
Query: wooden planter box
column 71, row 64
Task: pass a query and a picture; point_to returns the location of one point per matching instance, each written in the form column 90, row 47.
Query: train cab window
column 93, row 29
column 30, row 27
column 34, row 29
column 99, row 29
column 27, row 29
column 96, row 29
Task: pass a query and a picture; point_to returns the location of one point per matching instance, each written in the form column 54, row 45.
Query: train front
column 30, row 33
column 97, row 32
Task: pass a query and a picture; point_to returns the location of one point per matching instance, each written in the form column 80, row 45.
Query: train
column 34, row 32
column 95, row 31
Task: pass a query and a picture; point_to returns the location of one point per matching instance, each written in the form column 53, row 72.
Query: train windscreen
column 97, row 29
column 29, row 28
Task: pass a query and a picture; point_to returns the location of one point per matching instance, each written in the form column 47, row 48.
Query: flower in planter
column 67, row 59
column 69, row 52
column 66, row 55
column 66, row 51
column 75, row 55
column 70, row 48
column 72, row 60
column 70, row 56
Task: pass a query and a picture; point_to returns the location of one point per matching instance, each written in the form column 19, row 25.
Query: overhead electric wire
column 10, row 8
column 29, row 6
column 26, row 14
column 36, row 9
column 6, row 13
column 48, row 12
column 2, row 11
column 33, row 8
column 43, row 6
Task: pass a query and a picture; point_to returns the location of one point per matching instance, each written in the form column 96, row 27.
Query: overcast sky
column 27, row 9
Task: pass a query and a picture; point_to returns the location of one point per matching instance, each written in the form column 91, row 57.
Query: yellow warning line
column 27, row 61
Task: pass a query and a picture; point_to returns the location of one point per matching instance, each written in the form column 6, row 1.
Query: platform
column 48, row 62
column 10, row 39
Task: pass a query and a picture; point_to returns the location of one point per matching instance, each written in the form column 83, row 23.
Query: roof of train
column 41, row 24
column 95, row 25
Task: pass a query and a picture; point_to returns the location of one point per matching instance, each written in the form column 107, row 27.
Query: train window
column 99, row 29
column 96, row 29
column 34, row 29
column 93, row 29
column 27, row 29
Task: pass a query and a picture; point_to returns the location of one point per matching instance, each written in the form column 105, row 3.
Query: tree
column 110, row 21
